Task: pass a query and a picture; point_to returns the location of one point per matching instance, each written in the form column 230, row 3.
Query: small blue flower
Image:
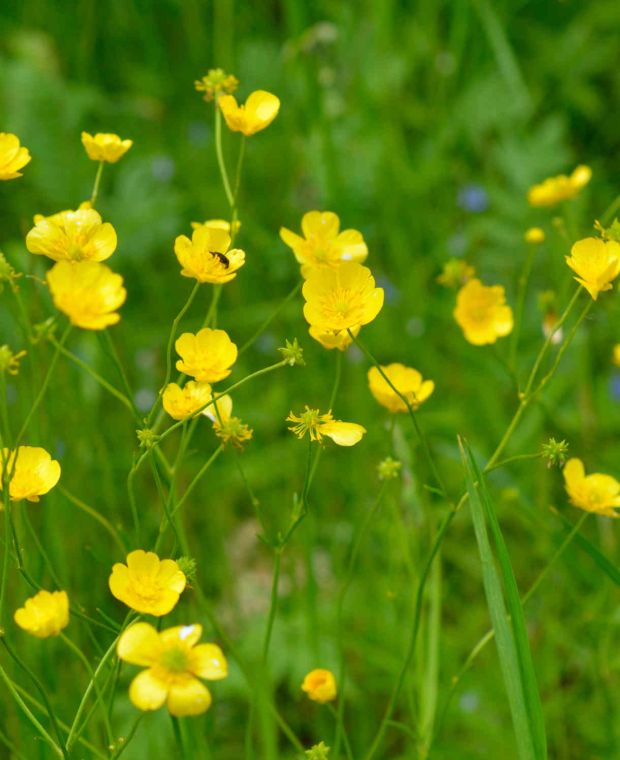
column 473, row 198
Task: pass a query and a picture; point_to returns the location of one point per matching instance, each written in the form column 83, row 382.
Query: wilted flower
column 259, row 110
column 482, row 313
column 44, row 614
column 594, row 493
column 292, row 353
column 317, row 425
column 206, row 257
column 87, row 292
column 9, row 362
column 534, row 235
column 596, row 262
column 554, row 452
column 455, row 272
column 174, row 665
column 320, row 686
column 146, row 583
column 105, row 146
column 322, row 243
column 73, row 236
column 560, row 188
column 33, row 474
column 207, row 355
column 216, row 82
column 341, row 298
column 408, row 381
column 227, row 428
column 181, row 403
column 13, row 156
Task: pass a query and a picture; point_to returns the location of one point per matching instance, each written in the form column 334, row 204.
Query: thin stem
column 337, row 717
column 122, row 745
column 270, row 318
column 273, row 606
column 197, row 479
column 220, row 157
column 121, row 371
column 517, row 458
column 95, row 192
column 521, row 292
column 106, row 524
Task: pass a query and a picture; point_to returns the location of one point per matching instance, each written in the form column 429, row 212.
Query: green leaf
column 601, row 560
column 510, row 635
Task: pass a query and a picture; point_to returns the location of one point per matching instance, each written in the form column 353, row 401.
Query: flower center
column 175, row 660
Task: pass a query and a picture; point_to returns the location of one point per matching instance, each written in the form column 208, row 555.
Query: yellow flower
column 73, row 236
column 206, row 257
column 87, row 292
column 227, row 428
column 207, row 356
column 217, row 224
column 259, row 110
column 328, row 340
column 320, row 686
column 105, row 147
column 181, row 403
column 317, row 425
column 408, row 381
column 341, row 298
column 596, row 262
column 616, row 355
column 44, row 614
column 146, row 583
column 534, row 236
column 560, row 188
column 482, row 312
column 34, row 473
column 595, row 493
column 322, row 243
column 174, row 665
column 13, row 156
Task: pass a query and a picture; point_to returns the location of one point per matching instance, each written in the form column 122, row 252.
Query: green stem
column 270, row 319
column 197, row 479
column 521, row 292
column 517, row 458
column 273, row 606
column 220, row 157
column 93, row 196
column 106, row 524
column 121, row 371
column 336, row 714
column 122, row 746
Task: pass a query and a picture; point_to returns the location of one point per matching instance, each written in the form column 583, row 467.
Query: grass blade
column 504, row 638
column 601, row 560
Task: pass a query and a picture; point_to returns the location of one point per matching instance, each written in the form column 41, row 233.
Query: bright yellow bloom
column 206, row 257
column 616, row 355
column 408, row 381
column 328, row 340
column 320, row 686
column 105, row 147
column 227, row 428
column 34, row 473
column 146, row 583
column 72, row 236
column 207, row 355
column 259, row 110
column 87, row 292
column 13, row 156
column 317, row 425
column 595, row 493
column 44, row 614
column 596, row 262
column 534, row 235
column 322, row 243
column 217, row 224
column 181, row 403
column 560, row 188
column 341, row 298
column 174, row 665
column 482, row 312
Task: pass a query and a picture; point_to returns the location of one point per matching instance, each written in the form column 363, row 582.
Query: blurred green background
column 422, row 124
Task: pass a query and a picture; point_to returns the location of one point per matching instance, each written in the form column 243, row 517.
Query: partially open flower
column 595, row 493
column 181, row 403
column 596, row 262
column 174, row 661
column 105, row 146
column 482, row 313
column 146, row 583
column 73, row 236
column 206, row 257
column 33, row 474
column 44, row 614
column 408, row 381
column 317, row 425
column 320, row 686
column 207, row 355
column 560, row 188
column 258, row 111
column 13, row 156
column 227, row 428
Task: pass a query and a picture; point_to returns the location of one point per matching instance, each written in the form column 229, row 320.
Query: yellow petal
column 208, row 661
column 188, row 698
column 343, row 433
column 147, row 692
column 139, row 644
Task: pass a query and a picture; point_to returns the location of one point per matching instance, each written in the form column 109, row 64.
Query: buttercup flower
column 317, row 425
column 146, row 583
column 174, row 665
column 259, row 110
column 215, row 82
column 329, row 340
column 206, row 257
column 595, row 493
column 534, row 236
column 207, row 356
column 73, row 236
column 596, row 262
column 44, row 614
column 181, row 403
column 105, row 146
column 482, row 313
column 227, row 428
column 13, row 156
column 322, row 243
column 34, row 473
column 217, row 224
column 560, row 188
column 408, row 381
column 341, row 298
column 87, row 292
column 320, row 686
